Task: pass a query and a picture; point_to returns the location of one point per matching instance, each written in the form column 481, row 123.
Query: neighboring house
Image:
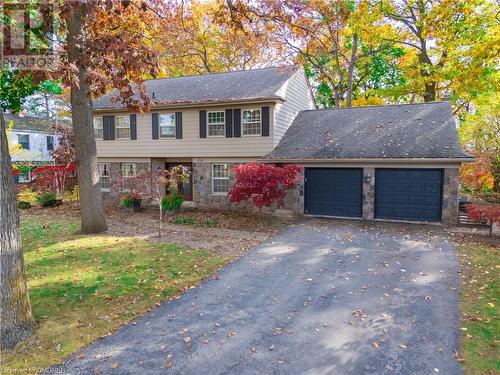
column 394, row 162
column 37, row 139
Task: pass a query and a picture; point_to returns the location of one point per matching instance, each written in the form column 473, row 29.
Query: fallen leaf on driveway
column 114, row 365
column 402, row 346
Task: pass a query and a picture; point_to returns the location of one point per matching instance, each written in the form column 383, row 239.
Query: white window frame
column 172, row 115
column 21, row 143
column 120, row 126
column 104, row 176
column 134, row 169
column 243, row 123
column 223, row 123
column 101, row 128
column 219, row 178
column 24, row 180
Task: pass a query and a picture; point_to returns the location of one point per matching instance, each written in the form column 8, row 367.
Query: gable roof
column 244, row 85
column 378, row 132
column 29, row 123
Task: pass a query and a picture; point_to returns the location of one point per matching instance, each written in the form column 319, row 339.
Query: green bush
column 23, row 205
column 171, row 202
column 48, row 199
column 184, row 220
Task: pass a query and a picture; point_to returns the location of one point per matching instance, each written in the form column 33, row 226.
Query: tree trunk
column 496, row 174
column 425, row 66
column 16, row 319
column 350, row 71
column 92, row 214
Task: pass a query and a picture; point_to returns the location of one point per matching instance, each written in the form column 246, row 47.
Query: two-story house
column 396, row 162
column 36, row 138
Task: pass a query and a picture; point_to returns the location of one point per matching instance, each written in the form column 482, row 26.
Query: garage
column 408, row 194
column 334, row 192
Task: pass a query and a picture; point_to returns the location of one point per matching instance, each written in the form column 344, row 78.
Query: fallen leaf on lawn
column 492, row 305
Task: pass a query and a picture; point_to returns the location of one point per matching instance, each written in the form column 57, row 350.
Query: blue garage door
column 408, row 194
column 334, row 191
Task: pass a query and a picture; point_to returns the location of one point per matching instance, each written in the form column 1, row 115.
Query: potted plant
column 131, row 201
column 171, row 203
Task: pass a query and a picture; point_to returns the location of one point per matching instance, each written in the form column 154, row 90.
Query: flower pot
column 135, row 207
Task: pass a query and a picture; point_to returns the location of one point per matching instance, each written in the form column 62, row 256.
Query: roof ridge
column 228, row 72
column 375, row 106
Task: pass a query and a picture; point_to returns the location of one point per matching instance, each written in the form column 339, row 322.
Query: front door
column 184, row 188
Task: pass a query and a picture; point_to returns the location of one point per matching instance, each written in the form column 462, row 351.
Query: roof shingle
column 392, row 131
column 245, row 85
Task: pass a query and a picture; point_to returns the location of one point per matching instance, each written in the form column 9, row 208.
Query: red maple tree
column 263, row 184
column 487, row 213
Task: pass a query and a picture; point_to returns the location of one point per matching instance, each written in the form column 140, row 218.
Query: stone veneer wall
column 450, row 196
column 111, row 197
column 202, row 187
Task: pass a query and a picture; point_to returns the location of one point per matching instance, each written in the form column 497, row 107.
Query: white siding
column 38, row 145
column 298, row 97
column 191, row 145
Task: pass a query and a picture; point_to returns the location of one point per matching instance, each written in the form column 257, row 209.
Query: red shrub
column 263, row 184
column 53, row 177
column 488, row 213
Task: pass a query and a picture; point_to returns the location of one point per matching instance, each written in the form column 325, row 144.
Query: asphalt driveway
column 322, row 297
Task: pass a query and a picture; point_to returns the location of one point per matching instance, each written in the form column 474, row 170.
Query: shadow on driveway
column 322, row 297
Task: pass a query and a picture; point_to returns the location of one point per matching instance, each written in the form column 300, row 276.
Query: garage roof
column 392, row 131
column 244, row 85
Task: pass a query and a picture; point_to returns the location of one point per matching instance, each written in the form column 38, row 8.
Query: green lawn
column 480, row 308
column 82, row 287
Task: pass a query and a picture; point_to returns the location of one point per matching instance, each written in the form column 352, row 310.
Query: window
column 98, row 127
column 122, row 124
column 216, row 124
column 220, row 178
column 104, row 176
column 24, row 177
column 251, row 122
column 167, row 125
column 50, row 143
column 128, row 169
column 24, row 141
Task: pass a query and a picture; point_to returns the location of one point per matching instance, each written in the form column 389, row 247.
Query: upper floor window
column 220, row 178
column 50, row 143
column 129, row 169
column 122, row 127
column 24, row 141
column 216, row 124
column 167, row 125
column 98, row 133
column 251, row 122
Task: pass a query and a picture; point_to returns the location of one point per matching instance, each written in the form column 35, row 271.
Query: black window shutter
column 154, row 124
column 237, row 122
column 229, row 123
column 203, row 124
column 105, row 128
column 265, row 121
column 133, row 126
column 178, row 125
column 111, row 128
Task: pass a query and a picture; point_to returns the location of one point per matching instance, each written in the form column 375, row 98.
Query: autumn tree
column 15, row 312
column 337, row 41
column 480, row 132
column 201, row 39
column 103, row 45
column 452, row 44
